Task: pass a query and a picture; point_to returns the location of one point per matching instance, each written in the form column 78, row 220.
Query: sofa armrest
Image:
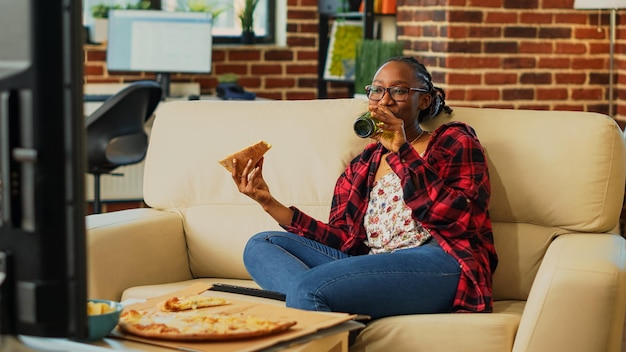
column 578, row 299
column 132, row 248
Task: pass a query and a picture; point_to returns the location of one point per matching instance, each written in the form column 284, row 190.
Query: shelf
column 353, row 14
column 367, row 16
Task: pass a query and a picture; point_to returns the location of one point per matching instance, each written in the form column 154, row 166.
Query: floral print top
column 388, row 220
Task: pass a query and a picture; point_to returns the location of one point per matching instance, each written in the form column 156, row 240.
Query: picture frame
column 341, row 56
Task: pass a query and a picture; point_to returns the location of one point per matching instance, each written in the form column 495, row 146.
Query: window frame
column 268, row 38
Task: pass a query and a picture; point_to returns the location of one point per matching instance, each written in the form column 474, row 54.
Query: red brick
column 535, row 78
column 573, row 18
column 555, row 63
column 599, row 48
column 456, row 78
column 588, row 33
column 501, row 47
column 465, row 16
column 569, row 48
column 244, row 55
column 520, row 32
column 307, row 55
column 557, row 4
column 520, row 4
column 518, row 94
column 96, row 55
column 266, row 69
column 455, row 94
column 249, row 82
column 552, row 94
column 278, row 55
column 485, row 32
column 93, row 70
column 590, row 93
column 500, row 78
column 457, row 32
column 518, row 63
column 230, row 68
column 535, row 18
column 302, row 41
column 218, row 55
column 534, row 47
column 587, row 64
column 473, row 62
column 279, row 83
column 485, row 3
column 570, row 78
column 501, row 17
column 483, row 94
column 555, row 32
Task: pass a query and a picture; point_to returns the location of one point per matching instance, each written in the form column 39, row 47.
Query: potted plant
column 199, row 6
column 246, row 15
column 100, row 14
column 370, row 54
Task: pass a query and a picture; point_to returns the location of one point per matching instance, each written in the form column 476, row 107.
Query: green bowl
column 102, row 324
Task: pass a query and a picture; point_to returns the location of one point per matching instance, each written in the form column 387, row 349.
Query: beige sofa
column 557, row 179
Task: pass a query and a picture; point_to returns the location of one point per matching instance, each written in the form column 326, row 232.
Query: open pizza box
column 308, row 323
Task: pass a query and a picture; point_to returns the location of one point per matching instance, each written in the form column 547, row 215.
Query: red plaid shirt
column 448, row 191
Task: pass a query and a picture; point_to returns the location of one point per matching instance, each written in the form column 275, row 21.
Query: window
column 226, row 25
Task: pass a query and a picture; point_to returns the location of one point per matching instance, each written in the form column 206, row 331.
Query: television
column 160, row 42
column 42, row 167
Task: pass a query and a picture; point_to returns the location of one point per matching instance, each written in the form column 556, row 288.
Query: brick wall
column 514, row 53
column 488, row 53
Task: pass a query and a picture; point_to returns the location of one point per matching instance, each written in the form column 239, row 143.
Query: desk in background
column 129, row 186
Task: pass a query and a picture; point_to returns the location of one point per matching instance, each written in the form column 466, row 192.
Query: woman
column 409, row 230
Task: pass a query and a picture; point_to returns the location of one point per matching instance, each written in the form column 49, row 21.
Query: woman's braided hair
column 438, row 101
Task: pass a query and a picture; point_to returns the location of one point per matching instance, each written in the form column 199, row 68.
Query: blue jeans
column 423, row 279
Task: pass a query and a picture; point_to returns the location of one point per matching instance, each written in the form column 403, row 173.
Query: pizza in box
column 190, row 318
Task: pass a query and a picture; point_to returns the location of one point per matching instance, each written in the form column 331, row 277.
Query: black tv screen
column 42, row 207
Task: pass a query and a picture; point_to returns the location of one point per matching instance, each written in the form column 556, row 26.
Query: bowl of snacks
column 102, row 317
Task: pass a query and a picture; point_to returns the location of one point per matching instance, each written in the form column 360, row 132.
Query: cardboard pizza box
column 309, row 323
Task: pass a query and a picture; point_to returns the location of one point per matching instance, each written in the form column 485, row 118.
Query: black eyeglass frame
column 386, row 90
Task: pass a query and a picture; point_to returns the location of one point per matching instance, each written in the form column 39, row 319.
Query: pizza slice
column 253, row 152
column 180, row 303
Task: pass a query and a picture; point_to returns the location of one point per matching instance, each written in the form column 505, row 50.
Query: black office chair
column 116, row 134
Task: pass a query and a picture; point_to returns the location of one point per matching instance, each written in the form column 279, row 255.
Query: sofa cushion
column 494, row 332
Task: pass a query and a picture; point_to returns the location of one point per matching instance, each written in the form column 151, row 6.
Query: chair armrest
column 132, row 248
column 578, row 299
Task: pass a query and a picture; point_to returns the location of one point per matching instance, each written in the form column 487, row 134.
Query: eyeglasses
column 398, row 94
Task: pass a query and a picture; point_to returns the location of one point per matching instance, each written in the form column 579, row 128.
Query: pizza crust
column 180, row 303
column 253, row 152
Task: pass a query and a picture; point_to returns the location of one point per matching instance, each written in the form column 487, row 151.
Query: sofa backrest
column 552, row 173
column 312, row 141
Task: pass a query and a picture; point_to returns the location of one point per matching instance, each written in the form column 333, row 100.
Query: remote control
column 250, row 291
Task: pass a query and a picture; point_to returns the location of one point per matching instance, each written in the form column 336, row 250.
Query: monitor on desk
column 161, row 42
